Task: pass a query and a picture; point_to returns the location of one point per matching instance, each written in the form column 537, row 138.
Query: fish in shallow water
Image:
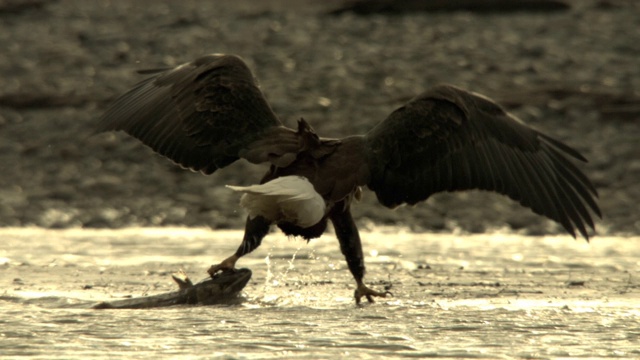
column 208, row 113
column 222, row 288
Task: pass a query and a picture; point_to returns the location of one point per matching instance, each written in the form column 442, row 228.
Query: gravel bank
column 573, row 74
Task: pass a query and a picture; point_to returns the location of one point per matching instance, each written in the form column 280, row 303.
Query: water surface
column 455, row 296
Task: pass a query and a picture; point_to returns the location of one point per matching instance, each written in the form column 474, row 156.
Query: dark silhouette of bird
column 208, row 113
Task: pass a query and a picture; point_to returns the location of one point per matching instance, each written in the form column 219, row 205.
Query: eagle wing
column 448, row 139
column 203, row 115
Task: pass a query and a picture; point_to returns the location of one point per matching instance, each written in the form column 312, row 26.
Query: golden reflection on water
column 491, row 295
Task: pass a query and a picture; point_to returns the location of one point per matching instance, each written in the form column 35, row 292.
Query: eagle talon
column 227, row 264
column 369, row 293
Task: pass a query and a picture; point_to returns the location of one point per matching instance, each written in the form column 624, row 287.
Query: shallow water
column 455, row 296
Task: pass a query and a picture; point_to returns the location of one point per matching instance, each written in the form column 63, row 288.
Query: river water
column 455, row 296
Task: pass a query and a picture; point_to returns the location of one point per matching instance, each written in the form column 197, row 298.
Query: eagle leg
column 254, row 231
column 351, row 247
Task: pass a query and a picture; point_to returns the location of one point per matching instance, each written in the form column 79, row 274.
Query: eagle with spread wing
column 208, row 113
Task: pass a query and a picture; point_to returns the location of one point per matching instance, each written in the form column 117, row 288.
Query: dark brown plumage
column 208, row 113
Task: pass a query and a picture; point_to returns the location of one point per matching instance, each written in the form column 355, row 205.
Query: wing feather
column 448, row 139
column 201, row 115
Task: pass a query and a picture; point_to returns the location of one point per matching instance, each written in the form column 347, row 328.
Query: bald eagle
column 208, row 113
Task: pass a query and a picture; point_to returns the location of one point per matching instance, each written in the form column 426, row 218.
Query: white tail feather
column 285, row 199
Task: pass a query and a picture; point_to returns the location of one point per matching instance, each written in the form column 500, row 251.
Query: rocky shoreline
column 573, row 74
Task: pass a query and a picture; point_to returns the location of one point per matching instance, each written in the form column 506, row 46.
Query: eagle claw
column 227, row 264
column 369, row 293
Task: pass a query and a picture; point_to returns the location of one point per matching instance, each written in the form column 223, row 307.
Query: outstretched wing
column 201, row 114
column 448, row 139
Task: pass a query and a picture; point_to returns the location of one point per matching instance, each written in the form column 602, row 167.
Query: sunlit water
column 455, row 296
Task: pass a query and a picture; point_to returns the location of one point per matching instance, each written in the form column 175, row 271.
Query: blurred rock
column 366, row 7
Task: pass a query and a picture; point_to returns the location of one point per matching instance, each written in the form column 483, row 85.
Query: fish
column 224, row 288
